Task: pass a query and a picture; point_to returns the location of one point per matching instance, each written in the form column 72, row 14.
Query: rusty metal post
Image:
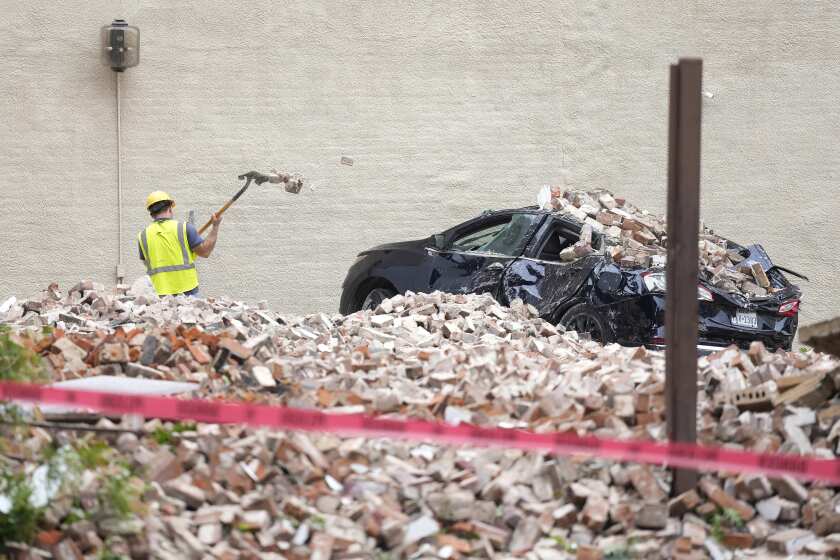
column 682, row 266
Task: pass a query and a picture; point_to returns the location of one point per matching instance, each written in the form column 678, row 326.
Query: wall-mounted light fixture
column 120, row 50
column 120, row 45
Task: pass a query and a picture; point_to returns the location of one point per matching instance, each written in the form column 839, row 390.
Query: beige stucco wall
column 447, row 109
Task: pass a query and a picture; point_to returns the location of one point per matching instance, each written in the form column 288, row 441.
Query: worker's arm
column 204, row 248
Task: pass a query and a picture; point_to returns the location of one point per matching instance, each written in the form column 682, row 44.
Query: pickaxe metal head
column 293, row 184
column 259, row 178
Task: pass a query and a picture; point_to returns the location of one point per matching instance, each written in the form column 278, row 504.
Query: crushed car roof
column 636, row 238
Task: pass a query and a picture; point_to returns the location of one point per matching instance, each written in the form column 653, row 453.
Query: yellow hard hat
column 158, row 196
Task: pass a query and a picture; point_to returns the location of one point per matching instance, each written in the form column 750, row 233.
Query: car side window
column 473, row 240
column 507, row 237
column 558, row 239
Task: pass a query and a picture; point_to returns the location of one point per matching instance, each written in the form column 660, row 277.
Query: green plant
column 106, row 554
column 181, row 427
column 733, row 518
column 11, row 414
column 722, row 520
column 77, row 513
column 21, row 521
column 17, row 362
column 621, row 552
column 716, row 529
column 93, row 454
column 117, row 496
column 166, row 436
column 163, row 436
column 119, row 493
column 564, row 544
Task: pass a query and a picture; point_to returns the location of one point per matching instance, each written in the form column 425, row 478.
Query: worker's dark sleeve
column 193, row 238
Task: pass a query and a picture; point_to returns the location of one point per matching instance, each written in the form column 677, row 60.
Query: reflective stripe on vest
column 169, row 260
column 187, row 265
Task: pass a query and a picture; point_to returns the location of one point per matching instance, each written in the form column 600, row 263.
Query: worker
column 169, row 247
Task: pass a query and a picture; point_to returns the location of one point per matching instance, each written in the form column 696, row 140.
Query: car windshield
column 506, row 238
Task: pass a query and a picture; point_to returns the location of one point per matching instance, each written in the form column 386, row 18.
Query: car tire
column 583, row 319
column 375, row 297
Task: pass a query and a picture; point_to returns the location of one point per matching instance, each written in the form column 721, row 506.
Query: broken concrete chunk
column 525, row 536
column 652, row 516
column 210, row 534
column 759, row 275
column 70, row 351
column 646, row 485
column 115, row 353
column 452, row 506
column 685, row 502
column 790, row 541
column 231, row 491
column 137, row 370
column 790, row 489
column 321, row 546
column 607, row 201
column 595, row 513
column 186, row 491
column 775, row 508
column 235, row 348
column 67, row 550
column 163, row 466
column 263, row 376
column 419, row 529
column 565, row 516
column 827, row 524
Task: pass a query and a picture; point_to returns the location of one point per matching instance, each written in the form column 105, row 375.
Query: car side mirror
column 439, row 240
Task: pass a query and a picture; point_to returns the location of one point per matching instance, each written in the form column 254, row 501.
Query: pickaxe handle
column 229, row 202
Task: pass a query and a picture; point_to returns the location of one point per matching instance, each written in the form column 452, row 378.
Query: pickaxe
column 292, row 185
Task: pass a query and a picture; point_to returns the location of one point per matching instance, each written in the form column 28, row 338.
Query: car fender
column 402, row 266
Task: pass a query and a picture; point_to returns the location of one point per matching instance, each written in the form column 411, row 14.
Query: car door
column 539, row 277
column 476, row 255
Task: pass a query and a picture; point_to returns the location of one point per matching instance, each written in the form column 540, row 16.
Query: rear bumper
column 641, row 321
column 702, row 349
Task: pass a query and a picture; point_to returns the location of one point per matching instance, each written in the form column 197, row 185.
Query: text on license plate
column 745, row 319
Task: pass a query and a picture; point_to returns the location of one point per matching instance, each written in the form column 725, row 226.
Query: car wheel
column 585, row 320
column 375, row 297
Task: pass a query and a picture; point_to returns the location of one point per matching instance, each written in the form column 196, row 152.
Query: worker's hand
column 216, row 220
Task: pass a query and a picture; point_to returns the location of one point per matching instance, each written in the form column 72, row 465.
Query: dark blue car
column 516, row 254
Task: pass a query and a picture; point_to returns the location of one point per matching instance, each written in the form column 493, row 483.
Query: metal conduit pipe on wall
column 120, row 269
column 120, row 50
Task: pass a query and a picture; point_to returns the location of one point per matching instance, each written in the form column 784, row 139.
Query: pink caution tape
column 698, row 457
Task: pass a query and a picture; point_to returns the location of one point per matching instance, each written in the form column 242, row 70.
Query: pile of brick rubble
column 637, row 238
column 203, row 490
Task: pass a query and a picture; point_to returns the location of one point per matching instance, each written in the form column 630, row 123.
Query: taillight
column 789, row 308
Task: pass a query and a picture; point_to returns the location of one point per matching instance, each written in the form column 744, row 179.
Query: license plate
column 745, row 319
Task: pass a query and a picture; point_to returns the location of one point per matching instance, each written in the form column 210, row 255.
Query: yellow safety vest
column 170, row 262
